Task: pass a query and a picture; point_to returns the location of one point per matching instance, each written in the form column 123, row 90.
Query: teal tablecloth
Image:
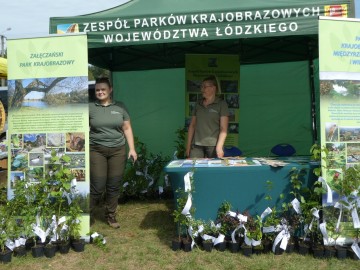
column 244, row 187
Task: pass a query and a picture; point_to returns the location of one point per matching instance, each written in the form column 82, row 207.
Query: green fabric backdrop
column 275, row 106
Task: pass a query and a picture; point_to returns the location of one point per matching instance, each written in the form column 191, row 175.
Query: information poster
column 226, row 68
column 339, row 64
column 48, row 112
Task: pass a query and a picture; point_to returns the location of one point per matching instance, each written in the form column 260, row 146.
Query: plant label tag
column 284, row 242
column 94, row 235
column 187, row 183
column 355, row 247
column 219, row 239
column 296, row 205
column 329, row 198
column 255, row 243
column 61, row 220
column 266, row 212
column 242, row 218
column 355, row 217
column 322, row 227
column 186, row 210
column 268, row 229
column 22, row 241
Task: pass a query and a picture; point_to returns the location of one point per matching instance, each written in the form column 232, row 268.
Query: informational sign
column 226, row 68
column 193, row 21
column 339, row 64
column 48, row 113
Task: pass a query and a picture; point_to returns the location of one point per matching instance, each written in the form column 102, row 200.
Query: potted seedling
column 229, row 222
column 6, row 228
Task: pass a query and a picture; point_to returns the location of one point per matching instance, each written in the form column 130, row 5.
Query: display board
column 339, row 64
column 48, row 114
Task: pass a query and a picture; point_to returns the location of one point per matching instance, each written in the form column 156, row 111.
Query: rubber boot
column 110, row 207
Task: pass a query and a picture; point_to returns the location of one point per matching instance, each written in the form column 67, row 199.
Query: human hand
column 132, row 155
column 219, row 152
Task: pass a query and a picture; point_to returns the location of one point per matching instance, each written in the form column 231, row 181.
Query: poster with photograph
column 339, row 66
column 48, row 119
column 226, row 68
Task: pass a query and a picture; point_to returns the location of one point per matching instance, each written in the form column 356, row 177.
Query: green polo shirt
column 106, row 123
column 207, row 127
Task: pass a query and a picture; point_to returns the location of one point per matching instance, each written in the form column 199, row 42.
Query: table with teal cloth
column 244, row 187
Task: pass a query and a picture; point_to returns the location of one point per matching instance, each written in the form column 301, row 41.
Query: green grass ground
column 143, row 242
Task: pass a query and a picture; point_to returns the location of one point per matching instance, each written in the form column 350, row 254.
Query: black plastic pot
column 329, row 252
column 5, row 256
column 258, row 249
column 290, row 247
column 176, row 244
column 234, row 247
column 351, row 254
column 246, row 250
column 186, row 245
column 208, row 246
column 303, row 249
column 267, row 245
column 20, row 251
column 37, row 251
column 220, row 246
column 341, row 252
column 50, row 250
column 78, row 245
column 64, row 247
column 318, row 252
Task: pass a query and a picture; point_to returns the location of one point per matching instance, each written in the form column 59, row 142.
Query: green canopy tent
column 144, row 43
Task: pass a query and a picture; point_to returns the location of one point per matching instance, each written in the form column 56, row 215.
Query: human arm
column 190, row 136
column 127, row 129
column 224, row 121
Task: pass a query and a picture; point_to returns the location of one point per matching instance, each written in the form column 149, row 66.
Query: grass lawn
column 143, row 242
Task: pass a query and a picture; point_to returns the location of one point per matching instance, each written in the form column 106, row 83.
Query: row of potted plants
column 305, row 224
column 145, row 178
column 43, row 216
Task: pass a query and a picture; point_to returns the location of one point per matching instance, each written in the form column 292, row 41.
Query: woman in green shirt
column 110, row 129
column 209, row 123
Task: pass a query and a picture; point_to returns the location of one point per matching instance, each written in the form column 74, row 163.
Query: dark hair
column 103, row 80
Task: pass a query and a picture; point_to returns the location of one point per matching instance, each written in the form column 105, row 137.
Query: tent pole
column 312, row 89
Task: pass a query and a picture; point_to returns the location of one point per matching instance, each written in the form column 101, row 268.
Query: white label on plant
column 355, row 217
column 62, row 219
column 39, row 232
column 186, row 210
column 219, row 239
column 329, row 191
column 266, row 212
column 22, row 241
column 322, row 227
column 94, row 235
column 284, row 242
column 296, row 205
column 187, row 183
column 278, row 238
column 268, row 229
column 242, row 218
column 315, row 212
column 355, row 247
column 10, row 244
column 17, row 243
column 255, row 243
